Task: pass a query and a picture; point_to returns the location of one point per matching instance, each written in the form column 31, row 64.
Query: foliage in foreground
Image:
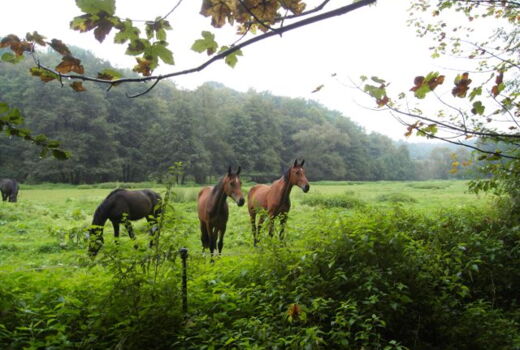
column 376, row 279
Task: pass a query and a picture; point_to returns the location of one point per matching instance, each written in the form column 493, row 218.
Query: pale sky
column 370, row 41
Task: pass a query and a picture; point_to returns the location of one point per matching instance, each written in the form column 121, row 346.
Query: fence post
column 184, row 257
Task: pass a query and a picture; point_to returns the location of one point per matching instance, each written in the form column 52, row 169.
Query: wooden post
column 184, row 257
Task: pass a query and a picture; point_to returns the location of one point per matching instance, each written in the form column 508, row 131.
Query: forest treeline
column 115, row 138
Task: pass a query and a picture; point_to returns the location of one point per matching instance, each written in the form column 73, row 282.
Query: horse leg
column 4, row 196
column 129, row 228
column 221, row 239
column 253, row 227
column 204, row 236
column 212, row 241
column 95, row 242
column 271, row 224
column 283, row 221
column 115, row 224
column 260, row 224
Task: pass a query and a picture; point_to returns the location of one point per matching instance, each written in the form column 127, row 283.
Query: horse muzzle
column 306, row 188
column 241, row 202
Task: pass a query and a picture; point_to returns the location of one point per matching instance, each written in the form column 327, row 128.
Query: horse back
column 257, row 197
column 135, row 204
column 202, row 202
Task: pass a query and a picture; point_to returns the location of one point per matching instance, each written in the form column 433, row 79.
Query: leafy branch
column 11, row 120
column 102, row 20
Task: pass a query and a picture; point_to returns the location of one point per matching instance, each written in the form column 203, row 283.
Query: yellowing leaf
column 70, row 64
column 143, row 66
column 78, row 86
column 16, row 45
column 60, row 47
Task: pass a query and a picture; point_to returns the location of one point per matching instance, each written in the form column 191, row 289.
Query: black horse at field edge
column 121, row 206
column 9, row 189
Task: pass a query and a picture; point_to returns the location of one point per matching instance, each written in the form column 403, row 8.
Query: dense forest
column 115, row 138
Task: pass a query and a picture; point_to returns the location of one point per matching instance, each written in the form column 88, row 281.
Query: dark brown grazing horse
column 121, row 206
column 213, row 209
column 9, row 189
column 274, row 199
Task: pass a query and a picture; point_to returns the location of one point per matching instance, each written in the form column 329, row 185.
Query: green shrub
column 345, row 200
column 396, row 198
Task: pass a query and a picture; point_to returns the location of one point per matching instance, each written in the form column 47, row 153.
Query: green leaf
column 60, row 155
column 421, row 92
column 12, row 58
column 109, row 74
column 127, row 32
column 475, row 92
column 137, row 47
column 94, row 7
column 4, row 107
column 231, row 59
column 378, row 80
column 207, row 43
column 478, row 108
column 160, row 50
column 375, row 91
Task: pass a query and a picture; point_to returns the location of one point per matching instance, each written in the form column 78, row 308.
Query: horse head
column 296, row 176
column 232, row 186
column 95, row 235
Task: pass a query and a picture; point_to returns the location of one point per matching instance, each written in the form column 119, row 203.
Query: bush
column 396, row 198
column 333, row 201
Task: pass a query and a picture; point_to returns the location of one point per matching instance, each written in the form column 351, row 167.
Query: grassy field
column 47, row 225
column 380, row 245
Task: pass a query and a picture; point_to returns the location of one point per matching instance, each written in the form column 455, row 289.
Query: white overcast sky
column 374, row 40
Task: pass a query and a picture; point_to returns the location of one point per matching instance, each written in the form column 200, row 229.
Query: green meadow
column 374, row 265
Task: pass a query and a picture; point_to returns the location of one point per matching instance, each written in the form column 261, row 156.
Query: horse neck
column 285, row 189
column 101, row 214
column 218, row 198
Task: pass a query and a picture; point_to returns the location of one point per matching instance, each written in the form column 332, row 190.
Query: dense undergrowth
column 371, row 278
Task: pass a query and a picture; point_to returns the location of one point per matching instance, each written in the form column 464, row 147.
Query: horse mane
column 287, row 174
column 218, row 186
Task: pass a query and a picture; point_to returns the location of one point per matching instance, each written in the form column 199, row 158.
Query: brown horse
column 274, row 199
column 213, row 209
column 121, row 206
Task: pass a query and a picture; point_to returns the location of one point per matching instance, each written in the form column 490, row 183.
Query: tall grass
column 368, row 277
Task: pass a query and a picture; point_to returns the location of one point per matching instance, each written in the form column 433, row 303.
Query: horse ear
column 295, row 162
column 303, row 161
column 238, row 170
column 229, row 170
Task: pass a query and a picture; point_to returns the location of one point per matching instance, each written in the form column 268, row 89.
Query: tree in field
column 478, row 107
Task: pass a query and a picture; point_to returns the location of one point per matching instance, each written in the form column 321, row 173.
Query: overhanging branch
column 156, row 78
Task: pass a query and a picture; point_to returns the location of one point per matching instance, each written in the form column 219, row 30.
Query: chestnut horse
column 213, row 209
column 121, row 206
column 274, row 199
